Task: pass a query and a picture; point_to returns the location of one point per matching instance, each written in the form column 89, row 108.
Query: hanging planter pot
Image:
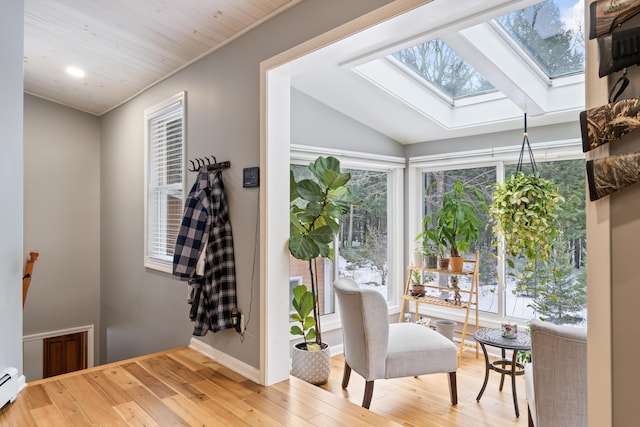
column 524, row 209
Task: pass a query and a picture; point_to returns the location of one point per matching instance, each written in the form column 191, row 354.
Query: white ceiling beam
column 488, row 53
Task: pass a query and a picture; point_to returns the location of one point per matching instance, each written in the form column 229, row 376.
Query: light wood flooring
column 185, row 388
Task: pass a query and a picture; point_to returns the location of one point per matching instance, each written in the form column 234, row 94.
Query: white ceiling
column 126, row 46
column 355, row 77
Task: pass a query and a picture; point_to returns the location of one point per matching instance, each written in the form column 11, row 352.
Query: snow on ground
column 517, row 306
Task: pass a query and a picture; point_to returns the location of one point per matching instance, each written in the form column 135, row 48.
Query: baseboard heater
column 8, row 385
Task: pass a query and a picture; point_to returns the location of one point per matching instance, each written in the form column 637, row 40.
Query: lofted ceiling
column 358, row 77
column 126, row 46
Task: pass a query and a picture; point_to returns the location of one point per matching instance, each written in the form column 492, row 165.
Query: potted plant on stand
column 433, row 245
column 315, row 207
column 457, row 222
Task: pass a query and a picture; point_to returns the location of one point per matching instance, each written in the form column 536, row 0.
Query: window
column 551, row 33
column 506, row 292
column 164, row 148
column 367, row 234
column 442, row 67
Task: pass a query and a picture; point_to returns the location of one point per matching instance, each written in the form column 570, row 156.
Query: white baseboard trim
column 224, row 359
column 336, row 350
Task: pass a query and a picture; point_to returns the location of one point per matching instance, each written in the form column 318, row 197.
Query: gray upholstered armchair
column 376, row 349
column 556, row 380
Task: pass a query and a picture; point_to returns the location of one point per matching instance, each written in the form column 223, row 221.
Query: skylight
column 436, row 73
column 438, row 64
column 551, row 33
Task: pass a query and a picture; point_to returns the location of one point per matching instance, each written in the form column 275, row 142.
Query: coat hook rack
column 200, row 162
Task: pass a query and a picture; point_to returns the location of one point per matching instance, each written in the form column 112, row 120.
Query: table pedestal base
column 504, row 367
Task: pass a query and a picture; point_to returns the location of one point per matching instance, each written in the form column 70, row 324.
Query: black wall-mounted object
column 251, row 177
column 204, row 162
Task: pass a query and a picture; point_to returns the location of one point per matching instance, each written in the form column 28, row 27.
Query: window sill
column 158, row 265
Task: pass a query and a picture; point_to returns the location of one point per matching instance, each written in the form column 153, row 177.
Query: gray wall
column 316, row 124
column 11, row 183
column 144, row 311
column 61, row 216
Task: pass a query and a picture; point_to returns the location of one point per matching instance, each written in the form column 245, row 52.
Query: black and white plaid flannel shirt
column 213, row 295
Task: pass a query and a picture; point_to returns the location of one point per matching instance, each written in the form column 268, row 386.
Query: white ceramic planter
column 312, row 366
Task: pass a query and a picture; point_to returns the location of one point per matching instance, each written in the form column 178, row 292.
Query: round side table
column 493, row 337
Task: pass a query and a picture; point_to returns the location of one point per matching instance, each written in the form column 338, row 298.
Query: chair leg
column 453, row 388
column 368, row 394
column 346, row 375
column 530, row 419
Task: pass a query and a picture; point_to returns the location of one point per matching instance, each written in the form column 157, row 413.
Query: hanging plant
column 523, row 211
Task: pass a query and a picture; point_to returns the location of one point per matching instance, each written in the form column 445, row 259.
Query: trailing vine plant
column 523, row 211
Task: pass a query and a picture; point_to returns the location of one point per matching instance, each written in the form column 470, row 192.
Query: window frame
column 497, row 157
column 395, row 166
column 154, row 260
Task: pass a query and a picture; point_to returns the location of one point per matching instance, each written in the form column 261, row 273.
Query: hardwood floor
column 185, row 388
column 424, row 401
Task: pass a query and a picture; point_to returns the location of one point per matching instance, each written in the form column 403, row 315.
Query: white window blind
column 164, row 125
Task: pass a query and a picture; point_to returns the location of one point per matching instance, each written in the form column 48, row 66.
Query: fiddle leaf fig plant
column 315, row 208
column 303, row 304
column 523, row 211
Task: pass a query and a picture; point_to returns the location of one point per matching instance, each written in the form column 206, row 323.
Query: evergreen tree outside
column 556, row 47
column 562, row 293
column 441, row 66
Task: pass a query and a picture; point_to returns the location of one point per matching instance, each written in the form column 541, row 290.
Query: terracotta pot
column 455, row 264
column 443, row 263
column 417, row 290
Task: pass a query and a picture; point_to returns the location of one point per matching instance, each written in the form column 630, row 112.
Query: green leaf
column 309, row 190
column 324, row 234
column 340, row 180
column 309, row 323
column 302, row 247
column 295, row 330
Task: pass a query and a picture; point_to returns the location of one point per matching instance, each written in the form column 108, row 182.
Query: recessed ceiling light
column 75, row 71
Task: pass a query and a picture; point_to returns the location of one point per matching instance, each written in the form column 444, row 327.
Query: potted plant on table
column 457, row 222
column 315, row 207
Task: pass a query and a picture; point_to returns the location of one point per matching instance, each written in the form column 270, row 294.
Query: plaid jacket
column 213, row 295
